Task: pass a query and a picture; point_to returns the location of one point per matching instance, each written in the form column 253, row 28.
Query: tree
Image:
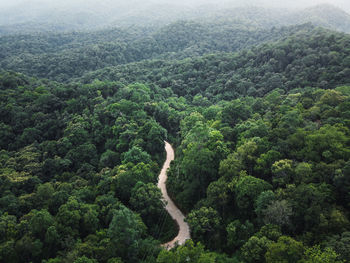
column 263, row 201
column 316, row 255
column 342, row 184
column 218, row 194
column 238, row 233
column 231, row 166
column 327, row 144
column 136, row 155
column 6, row 135
column 84, row 259
column 278, row 213
column 308, row 201
column 197, row 164
column 247, row 154
column 51, row 241
column 155, row 138
column 331, row 98
column 255, row 248
column 39, row 222
column 8, row 225
column 265, row 161
column 204, row 222
column 69, row 216
column 340, row 244
column 8, row 252
column 282, row 171
column 235, row 111
column 125, row 232
column 303, row 172
column 84, row 153
column 44, row 193
column 286, row 249
column 271, row 232
column 109, row 159
column 29, row 248
column 128, row 175
column 76, row 131
column 146, row 200
column 247, row 190
column 114, row 260
column 90, row 220
column 187, row 253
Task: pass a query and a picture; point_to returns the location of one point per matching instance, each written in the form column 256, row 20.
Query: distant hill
column 39, row 17
column 325, row 15
column 66, row 55
column 322, row 15
column 316, row 57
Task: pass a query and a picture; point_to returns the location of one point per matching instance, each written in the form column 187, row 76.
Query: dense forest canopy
column 64, row 56
column 255, row 102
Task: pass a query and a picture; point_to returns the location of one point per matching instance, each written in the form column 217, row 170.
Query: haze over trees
column 23, row 16
column 256, row 103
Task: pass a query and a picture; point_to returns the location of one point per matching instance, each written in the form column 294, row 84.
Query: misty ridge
column 27, row 16
column 45, row 38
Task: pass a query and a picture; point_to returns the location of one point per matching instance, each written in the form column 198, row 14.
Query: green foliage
column 84, row 259
column 248, row 189
column 146, row 199
column 271, row 232
column 205, row 225
column 238, row 233
column 128, row 175
column 340, row 244
column 203, row 222
column 282, row 171
column 278, row 213
column 255, row 248
column 135, row 155
column 40, row 222
column 286, row 249
column 190, row 252
column 109, row 159
column 71, row 55
column 315, row 255
column 125, row 232
column 263, row 201
column 261, row 137
column 259, row 70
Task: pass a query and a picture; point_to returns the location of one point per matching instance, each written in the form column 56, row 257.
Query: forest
column 259, row 118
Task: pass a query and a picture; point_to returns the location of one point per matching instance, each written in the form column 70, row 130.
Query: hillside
column 325, row 15
column 87, row 16
column 63, row 56
column 310, row 57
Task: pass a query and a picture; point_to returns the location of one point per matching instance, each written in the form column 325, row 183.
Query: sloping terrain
column 310, row 57
column 63, row 56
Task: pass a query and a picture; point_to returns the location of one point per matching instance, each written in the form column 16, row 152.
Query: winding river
column 175, row 213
